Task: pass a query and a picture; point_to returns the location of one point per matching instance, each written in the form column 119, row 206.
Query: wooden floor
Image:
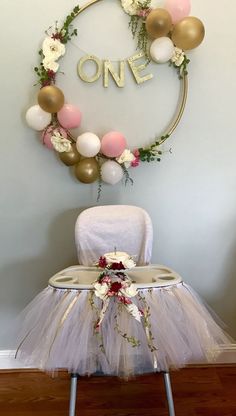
column 197, row 392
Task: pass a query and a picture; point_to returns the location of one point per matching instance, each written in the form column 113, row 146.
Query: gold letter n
column 119, row 79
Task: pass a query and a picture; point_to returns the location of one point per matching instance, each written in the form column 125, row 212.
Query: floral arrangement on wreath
column 113, row 283
column 164, row 34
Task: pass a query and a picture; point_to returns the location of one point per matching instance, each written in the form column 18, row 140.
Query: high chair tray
column 81, row 277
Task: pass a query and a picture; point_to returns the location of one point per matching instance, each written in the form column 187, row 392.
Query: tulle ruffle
column 58, row 331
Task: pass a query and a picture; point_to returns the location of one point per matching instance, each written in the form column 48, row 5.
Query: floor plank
column 197, row 392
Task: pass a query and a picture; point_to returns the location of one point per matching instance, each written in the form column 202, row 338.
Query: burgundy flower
column 57, row 36
column 45, row 83
column 96, row 326
column 51, row 74
column 102, row 262
column 117, row 266
column 115, row 287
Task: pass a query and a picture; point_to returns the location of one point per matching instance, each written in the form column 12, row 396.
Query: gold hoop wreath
column 163, row 35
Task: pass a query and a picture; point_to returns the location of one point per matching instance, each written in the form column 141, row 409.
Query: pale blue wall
column 190, row 195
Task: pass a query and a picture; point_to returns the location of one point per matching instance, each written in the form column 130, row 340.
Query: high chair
column 170, row 328
column 99, row 230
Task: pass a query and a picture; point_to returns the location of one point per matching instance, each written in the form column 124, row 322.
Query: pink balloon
column 178, row 9
column 49, row 132
column 113, row 144
column 69, row 116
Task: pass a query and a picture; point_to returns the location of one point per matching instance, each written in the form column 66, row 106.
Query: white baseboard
column 227, row 355
column 9, row 362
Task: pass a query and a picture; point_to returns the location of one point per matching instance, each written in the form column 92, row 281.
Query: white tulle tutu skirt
column 58, row 331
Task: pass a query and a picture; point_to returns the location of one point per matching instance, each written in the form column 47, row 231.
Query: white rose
column 178, row 56
column 126, row 157
column 129, row 263
column 116, row 257
column 129, row 291
column 49, row 64
column 101, row 290
column 133, row 310
column 53, row 48
column 130, row 7
column 60, row 144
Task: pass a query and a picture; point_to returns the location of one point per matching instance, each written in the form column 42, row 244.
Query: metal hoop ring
column 183, row 93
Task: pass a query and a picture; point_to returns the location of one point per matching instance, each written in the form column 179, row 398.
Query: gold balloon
column 70, row 158
column 87, row 170
column 51, row 99
column 158, row 23
column 188, row 33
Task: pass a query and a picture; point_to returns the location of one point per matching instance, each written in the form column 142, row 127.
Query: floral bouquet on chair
column 117, row 260
column 114, row 283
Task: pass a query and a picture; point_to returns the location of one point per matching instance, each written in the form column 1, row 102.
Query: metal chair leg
column 169, row 394
column 73, row 394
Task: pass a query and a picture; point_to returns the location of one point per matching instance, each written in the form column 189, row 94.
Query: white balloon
column 111, row 172
column 88, row 144
column 37, row 118
column 162, row 50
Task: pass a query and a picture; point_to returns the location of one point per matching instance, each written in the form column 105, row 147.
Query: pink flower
column 124, row 300
column 135, row 162
column 106, row 279
column 136, row 153
column 144, row 13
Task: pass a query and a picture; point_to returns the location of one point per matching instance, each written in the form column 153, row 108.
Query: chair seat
column 81, row 277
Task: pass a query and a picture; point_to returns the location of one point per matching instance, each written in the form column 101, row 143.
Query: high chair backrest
column 102, row 229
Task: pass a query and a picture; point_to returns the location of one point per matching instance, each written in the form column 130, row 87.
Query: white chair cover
column 100, row 229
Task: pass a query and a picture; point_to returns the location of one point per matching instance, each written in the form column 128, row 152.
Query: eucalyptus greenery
column 152, row 153
column 146, row 322
column 97, row 333
column 128, row 179
column 130, row 339
column 138, row 28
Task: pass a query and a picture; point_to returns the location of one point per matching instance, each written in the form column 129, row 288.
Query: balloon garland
column 163, row 34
